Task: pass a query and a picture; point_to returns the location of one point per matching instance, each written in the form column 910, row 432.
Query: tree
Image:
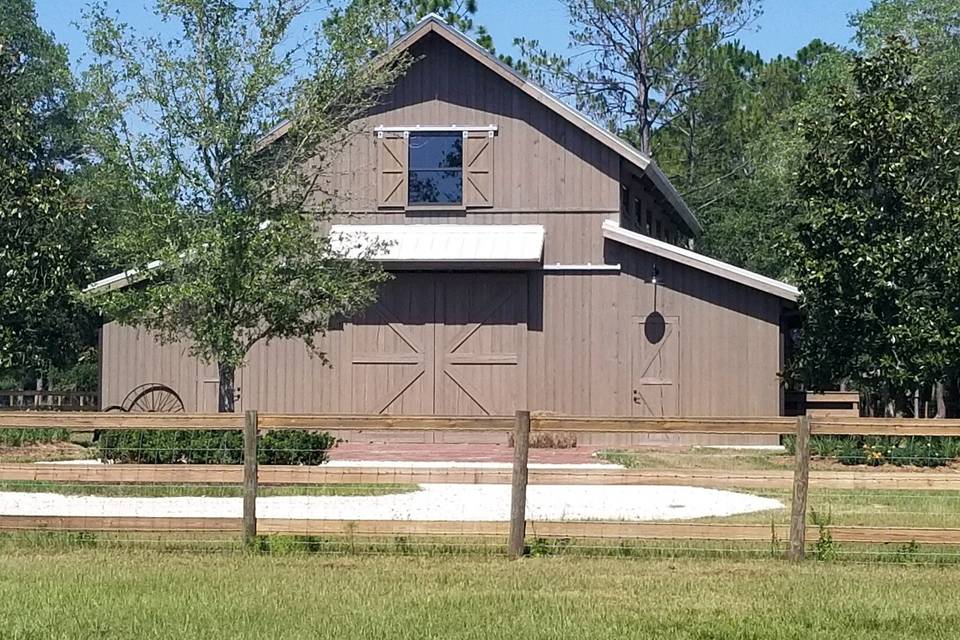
column 928, row 25
column 397, row 17
column 216, row 226
column 876, row 257
column 46, row 227
column 734, row 152
column 634, row 61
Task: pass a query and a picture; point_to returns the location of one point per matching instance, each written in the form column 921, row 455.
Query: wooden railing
column 251, row 477
column 48, row 401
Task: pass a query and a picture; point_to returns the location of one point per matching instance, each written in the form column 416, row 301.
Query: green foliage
column 928, row 25
column 634, row 62
column 212, row 447
column 46, row 225
column 81, row 375
column 396, row 17
column 21, row 437
column 876, row 255
column 824, row 549
column 218, row 201
column 734, row 151
column 918, row 451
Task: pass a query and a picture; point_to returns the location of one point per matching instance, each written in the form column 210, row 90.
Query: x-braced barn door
column 656, row 366
column 392, row 350
column 481, row 344
column 450, row 344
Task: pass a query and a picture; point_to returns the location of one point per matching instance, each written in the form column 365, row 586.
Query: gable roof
column 434, row 24
column 613, row 231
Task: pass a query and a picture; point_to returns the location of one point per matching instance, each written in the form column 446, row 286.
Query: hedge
column 874, row 451
column 212, row 447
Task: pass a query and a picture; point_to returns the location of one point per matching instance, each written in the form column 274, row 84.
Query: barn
column 539, row 262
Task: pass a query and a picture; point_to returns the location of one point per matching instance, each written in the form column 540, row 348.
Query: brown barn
column 540, row 262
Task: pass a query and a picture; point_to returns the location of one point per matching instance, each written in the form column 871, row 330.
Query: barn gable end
column 605, row 321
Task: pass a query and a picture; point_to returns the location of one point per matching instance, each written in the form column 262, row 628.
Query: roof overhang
column 436, row 245
column 613, row 231
column 123, row 279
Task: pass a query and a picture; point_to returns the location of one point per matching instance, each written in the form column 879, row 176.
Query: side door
column 208, row 389
column 655, row 366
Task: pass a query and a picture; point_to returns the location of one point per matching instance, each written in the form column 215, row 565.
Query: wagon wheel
column 153, row 398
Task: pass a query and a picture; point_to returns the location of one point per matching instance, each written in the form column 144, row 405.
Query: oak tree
column 217, row 234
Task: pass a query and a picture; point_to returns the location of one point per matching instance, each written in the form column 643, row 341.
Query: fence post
column 249, row 477
column 801, row 483
column 518, row 493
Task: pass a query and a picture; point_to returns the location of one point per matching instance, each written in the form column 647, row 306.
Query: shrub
column 21, row 437
column 920, row 451
column 825, row 548
column 549, row 440
column 212, row 447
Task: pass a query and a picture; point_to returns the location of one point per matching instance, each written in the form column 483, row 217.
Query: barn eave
column 616, row 233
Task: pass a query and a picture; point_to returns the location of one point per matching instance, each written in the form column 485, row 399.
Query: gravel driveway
column 449, row 502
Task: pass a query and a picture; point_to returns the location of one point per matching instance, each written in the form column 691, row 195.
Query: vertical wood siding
column 545, row 171
column 575, row 355
column 729, row 342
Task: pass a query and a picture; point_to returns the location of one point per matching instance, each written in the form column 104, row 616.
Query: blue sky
column 784, row 27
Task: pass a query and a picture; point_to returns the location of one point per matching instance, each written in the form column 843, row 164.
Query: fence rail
column 252, row 477
column 17, row 400
column 385, row 473
column 539, row 422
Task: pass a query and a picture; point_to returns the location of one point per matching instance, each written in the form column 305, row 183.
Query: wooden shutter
column 478, row 169
column 392, row 169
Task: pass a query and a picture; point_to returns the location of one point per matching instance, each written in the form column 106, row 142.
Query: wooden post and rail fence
column 250, row 476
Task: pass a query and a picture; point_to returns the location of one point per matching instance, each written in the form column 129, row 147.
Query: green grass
column 863, row 507
column 110, row 594
column 213, row 491
column 698, row 458
column 652, row 458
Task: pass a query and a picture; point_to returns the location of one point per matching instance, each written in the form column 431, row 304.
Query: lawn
column 861, row 507
column 208, row 491
column 138, row 594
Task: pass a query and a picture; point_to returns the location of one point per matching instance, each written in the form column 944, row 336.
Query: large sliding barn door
column 391, row 349
column 446, row 344
column 480, row 344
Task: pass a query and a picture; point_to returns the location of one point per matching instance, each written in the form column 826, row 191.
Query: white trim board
column 613, row 231
column 442, row 243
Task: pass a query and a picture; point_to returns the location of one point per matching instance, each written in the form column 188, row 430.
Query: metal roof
column 121, row 280
column 613, row 231
column 430, row 243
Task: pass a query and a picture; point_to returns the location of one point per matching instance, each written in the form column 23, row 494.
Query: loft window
column 435, row 168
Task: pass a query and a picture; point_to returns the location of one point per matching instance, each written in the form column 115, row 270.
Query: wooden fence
column 517, row 530
column 48, row 401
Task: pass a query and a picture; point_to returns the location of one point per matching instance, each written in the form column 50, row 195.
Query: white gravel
column 450, row 502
